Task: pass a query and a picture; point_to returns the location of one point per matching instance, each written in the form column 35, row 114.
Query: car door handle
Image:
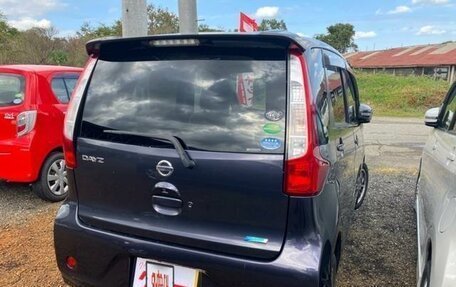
column 167, row 205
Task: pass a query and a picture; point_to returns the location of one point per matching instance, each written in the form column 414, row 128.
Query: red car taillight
column 305, row 170
column 72, row 112
column 25, row 122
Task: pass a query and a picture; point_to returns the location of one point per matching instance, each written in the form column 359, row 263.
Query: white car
column 436, row 199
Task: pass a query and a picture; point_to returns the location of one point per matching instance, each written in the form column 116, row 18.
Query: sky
column 379, row 24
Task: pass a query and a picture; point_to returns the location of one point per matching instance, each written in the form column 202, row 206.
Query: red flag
column 247, row 24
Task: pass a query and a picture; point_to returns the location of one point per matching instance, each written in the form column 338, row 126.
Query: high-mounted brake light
column 305, row 170
column 72, row 112
column 25, row 122
column 174, row 42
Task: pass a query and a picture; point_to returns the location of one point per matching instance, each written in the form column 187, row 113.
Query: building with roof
column 438, row 61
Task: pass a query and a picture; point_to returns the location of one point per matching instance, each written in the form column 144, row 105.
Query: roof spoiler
column 94, row 47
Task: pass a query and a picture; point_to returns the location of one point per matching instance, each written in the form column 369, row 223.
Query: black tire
column 426, row 278
column 328, row 272
column 362, row 183
column 54, row 167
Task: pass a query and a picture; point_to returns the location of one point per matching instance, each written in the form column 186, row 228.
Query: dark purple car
column 211, row 160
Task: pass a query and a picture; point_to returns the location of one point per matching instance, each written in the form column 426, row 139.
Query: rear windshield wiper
column 187, row 161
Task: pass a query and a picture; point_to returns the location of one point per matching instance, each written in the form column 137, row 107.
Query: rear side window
column 70, row 83
column 350, row 96
column 336, row 94
column 59, row 89
column 63, row 87
column 319, row 87
column 12, row 89
column 225, row 103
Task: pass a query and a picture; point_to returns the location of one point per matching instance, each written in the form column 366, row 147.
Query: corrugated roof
column 415, row 56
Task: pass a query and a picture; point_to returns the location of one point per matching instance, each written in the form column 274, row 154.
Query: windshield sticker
column 17, row 101
column 271, row 143
column 245, row 89
column 274, row 116
column 272, row 128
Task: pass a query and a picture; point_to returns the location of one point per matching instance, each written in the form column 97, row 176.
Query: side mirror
column 365, row 114
column 431, row 118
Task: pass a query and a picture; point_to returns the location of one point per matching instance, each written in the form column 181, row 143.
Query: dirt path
column 27, row 253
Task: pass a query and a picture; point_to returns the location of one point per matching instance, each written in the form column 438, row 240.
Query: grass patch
column 402, row 96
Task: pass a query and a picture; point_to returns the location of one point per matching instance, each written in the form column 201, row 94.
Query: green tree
column 34, row 46
column 76, row 54
column 89, row 32
column 161, row 21
column 43, row 46
column 6, row 31
column 272, row 24
column 58, row 57
column 207, row 28
column 340, row 36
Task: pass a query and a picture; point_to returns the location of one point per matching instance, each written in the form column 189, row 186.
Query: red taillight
column 71, row 262
column 72, row 112
column 305, row 170
column 25, row 122
column 306, row 175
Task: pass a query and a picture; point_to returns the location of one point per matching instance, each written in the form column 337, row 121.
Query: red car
column 33, row 103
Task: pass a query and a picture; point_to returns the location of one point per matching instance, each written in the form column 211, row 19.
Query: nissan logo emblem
column 164, row 168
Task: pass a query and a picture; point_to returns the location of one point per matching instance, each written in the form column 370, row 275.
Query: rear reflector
column 73, row 108
column 71, row 262
column 25, row 122
column 305, row 170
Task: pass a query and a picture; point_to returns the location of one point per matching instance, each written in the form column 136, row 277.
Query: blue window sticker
column 271, row 143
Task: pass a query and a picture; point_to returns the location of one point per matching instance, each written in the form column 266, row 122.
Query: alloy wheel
column 361, row 186
column 57, row 177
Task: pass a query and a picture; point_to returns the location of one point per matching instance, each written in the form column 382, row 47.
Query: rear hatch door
column 185, row 144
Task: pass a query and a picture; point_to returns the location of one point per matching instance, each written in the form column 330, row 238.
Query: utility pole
column 134, row 18
column 188, row 23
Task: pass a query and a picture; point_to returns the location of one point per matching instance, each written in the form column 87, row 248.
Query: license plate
column 149, row 273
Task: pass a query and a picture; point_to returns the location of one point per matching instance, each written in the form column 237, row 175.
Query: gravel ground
column 18, row 204
column 380, row 249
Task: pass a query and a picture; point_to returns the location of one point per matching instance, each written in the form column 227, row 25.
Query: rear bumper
column 107, row 259
column 17, row 160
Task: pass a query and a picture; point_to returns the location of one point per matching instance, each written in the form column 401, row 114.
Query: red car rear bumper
column 18, row 161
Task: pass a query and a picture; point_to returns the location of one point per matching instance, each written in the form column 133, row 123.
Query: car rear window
column 226, row 103
column 12, row 89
